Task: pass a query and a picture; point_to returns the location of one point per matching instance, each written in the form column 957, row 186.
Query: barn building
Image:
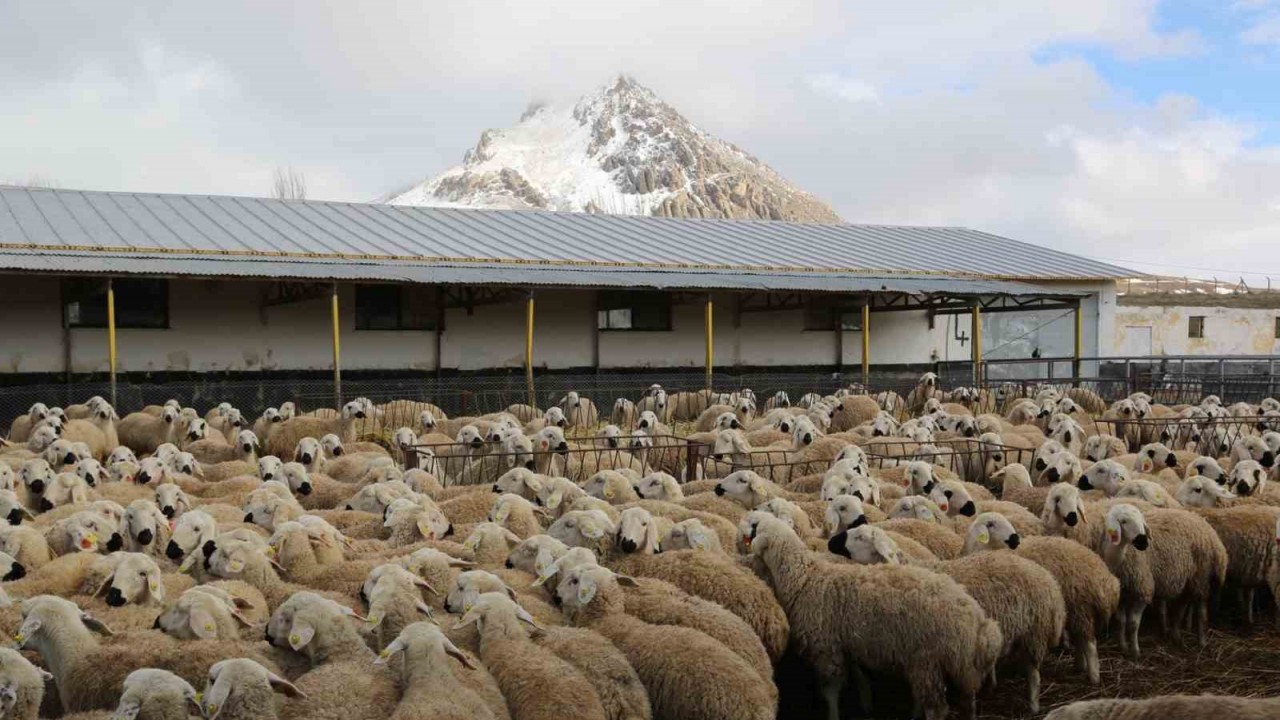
column 151, row 287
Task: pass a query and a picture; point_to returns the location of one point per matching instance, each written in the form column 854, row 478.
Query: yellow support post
column 976, row 331
column 337, row 354
column 866, row 343
column 111, row 336
column 709, row 322
column 1079, row 344
column 528, row 350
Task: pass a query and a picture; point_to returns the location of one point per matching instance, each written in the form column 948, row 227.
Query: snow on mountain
column 621, row 150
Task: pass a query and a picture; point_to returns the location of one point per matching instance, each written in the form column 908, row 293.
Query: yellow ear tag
column 271, row 551
column 209, row 627
column 236, row 566
column 294, row 640
column 471, row 543
column 466, row 607
column 501, row 514
column 584, row 594
column 984, row 537
column 154, row 587
column 19, row 638
column 373, row 618
column 608, row 492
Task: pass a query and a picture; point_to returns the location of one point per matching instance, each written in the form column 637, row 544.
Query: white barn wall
column 219, row 326
column 1228, row 330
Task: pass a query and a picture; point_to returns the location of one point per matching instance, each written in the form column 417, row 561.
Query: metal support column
column 337, row 353
column 111, row 336
column 866, row 343
column 710, row 330
column 976, row 331
column 439, row 331
column 1079, row 344
column 528, row 350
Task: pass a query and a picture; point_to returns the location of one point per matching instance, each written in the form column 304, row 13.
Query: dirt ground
column 1236, row 661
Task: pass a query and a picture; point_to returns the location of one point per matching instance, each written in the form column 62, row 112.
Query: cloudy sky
column 1142, row 131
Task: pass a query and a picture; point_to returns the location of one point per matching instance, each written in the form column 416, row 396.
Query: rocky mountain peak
column 619, row 149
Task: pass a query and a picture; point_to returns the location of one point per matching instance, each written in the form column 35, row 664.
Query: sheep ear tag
column 543, row 562
column 984, row 537
column 1113, row 534
column 698, row 539
column 608, row 492
column 586, row 591
column 300, row 635
column 424, row 527
column 500, row 515
column 236, row 566
column 591, row 530
column 202, row 624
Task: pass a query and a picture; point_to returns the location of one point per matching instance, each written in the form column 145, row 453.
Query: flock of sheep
column 385, row 561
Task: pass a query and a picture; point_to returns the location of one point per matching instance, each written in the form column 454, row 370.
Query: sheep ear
column 460, row 563
column 697, row 539
column 95, row 625
column 887, row 549
column 395, row 646
column 512, row 539
column 283, row 686
column 202, row 624
column 525, row 617
column 586, row 591
column 424, row 585
column 557, row 496
column 128, row 710
column 425, row 609
column 756, row 483
column 453, row 651
column 301, row 634
column 590, row 529
column 626, row 581
column 106, row 584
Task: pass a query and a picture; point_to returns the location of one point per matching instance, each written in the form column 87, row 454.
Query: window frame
column 841, row 314
column 428, row 323
column 76, row 290
column 1192, row 334
column 608, row 301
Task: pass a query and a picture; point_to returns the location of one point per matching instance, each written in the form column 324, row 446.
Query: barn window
column 395, row 307
column 633, row 310
column 823, row 314
column 1195, row 328
column 140, row 303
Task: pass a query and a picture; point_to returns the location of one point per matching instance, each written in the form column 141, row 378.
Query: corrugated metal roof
column 495, row 274
column 157, row 225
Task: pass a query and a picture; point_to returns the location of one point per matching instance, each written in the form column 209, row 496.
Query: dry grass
column 1236, row 661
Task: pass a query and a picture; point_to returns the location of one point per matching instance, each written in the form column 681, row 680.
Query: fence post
column 1079, row 344
column 1222, row 377
column 710, row 332
column 976, row 330
column 337, row 353
column 866, row 344
column 528, row 351
column 111, row 336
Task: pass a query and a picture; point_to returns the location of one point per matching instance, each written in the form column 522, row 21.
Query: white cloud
column 844, row 88
column 917, row 111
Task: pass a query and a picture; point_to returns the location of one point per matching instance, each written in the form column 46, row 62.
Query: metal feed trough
column 463, row 464
column 970, row 459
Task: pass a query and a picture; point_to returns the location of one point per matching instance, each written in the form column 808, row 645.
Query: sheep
column 433, row 691
column 1016, row 486
column 83, row 531
column 21, row 686
column 750, row 490
column 64, row 489
column 88, row 674
column 393, row 595
column 906, row 620
column 953, row 498
column 1247, row 533
column 21, row 427
column 1170, row 707
column 1175, row 553
column 690, row 534
column 204, row 612
column 686, row 673
column 314, row 491
column 285, row 436
column 1091, row 592
column 343, row 681
column 27, row 545
column 535, row 682
column 516, row 514
column 1021, row 596
column 143, row 529
column 241, row 689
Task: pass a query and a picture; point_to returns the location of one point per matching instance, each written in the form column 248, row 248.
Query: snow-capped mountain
column 622, row 150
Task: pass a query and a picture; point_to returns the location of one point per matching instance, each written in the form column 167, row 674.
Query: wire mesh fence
column 1170, row 381
column 970, row 459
